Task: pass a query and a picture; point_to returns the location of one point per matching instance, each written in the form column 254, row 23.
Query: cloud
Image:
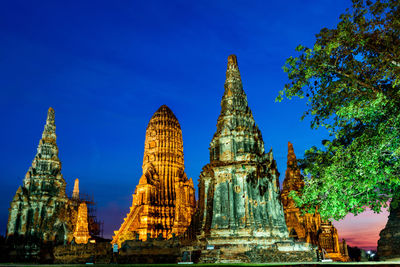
column 362, row 230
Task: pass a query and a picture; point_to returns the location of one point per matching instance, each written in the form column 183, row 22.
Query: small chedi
column 389, row 242
column 308, row 227
column 40, row 211
column 239, row 208
column 87, row 240
column 164, row 199
column 86, row 219
column 81, row 233
column 303, row 227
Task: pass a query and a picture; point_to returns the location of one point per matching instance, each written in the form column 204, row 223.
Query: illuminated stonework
column 308, row 227
column 164, row 199
column 239, row 201
column 81, row 233
column 301, row 227
column 40, row 208
column 75, row 192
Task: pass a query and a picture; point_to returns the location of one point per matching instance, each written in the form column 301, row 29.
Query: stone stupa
column 308, row 227
column 303, row 227
column 40, row 210
column 81, row 233
column 240, row 215
column 164, row 199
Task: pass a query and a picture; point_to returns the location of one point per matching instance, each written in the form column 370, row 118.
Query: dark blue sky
column 106, row 66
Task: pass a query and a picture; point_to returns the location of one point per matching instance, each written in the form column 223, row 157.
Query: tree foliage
column 351, row 79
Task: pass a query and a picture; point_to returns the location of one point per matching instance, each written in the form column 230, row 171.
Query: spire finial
column 232, row 62
column 291, row 157
column 233, row 82
column 293, row 178
column 49, row 132
column 50, row 116
column 290, row 148
column 75, row 192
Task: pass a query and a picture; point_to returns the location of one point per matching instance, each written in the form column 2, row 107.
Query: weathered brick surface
column 40, row 209
column 239, row 197
column 308, row 227
column 164, row 199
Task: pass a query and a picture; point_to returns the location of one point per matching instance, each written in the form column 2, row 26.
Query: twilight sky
column 106, row 66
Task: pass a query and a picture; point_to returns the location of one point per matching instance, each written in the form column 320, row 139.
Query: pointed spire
column 233, row 82
column 46, row 162
column 234, row 98
column 235, row 120
column 50, row 116
column 291, row 157
column 49, row 132
column 49, row 137
column 232, row 72
column 293, row 178
column 75, row 192
column 40, row 205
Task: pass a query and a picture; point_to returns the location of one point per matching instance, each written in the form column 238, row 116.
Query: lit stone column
column 81, row 233
column 162, row 180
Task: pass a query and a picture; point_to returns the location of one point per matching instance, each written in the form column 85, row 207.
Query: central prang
column 239, row 191
column 164, row 199
column 240, row 215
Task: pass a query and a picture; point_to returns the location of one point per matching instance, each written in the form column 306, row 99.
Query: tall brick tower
column 164, row 199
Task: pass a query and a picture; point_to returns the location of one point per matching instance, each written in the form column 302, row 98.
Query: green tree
column 351, row 79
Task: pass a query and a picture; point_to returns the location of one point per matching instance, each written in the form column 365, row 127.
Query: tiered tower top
column 293, row 178
column 45, row 174
column 163, row 140
column 237, row 137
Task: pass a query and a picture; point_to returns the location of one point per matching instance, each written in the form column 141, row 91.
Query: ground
column 381, row 264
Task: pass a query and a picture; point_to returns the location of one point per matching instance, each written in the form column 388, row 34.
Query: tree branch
column 359, row 82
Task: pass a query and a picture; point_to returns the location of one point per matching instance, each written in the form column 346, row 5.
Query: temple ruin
column 241, row 215
column 39, row 211
column 81, row 233
column 308, row 227
column 239, row 206
column 164, row 199
column 302, row 227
